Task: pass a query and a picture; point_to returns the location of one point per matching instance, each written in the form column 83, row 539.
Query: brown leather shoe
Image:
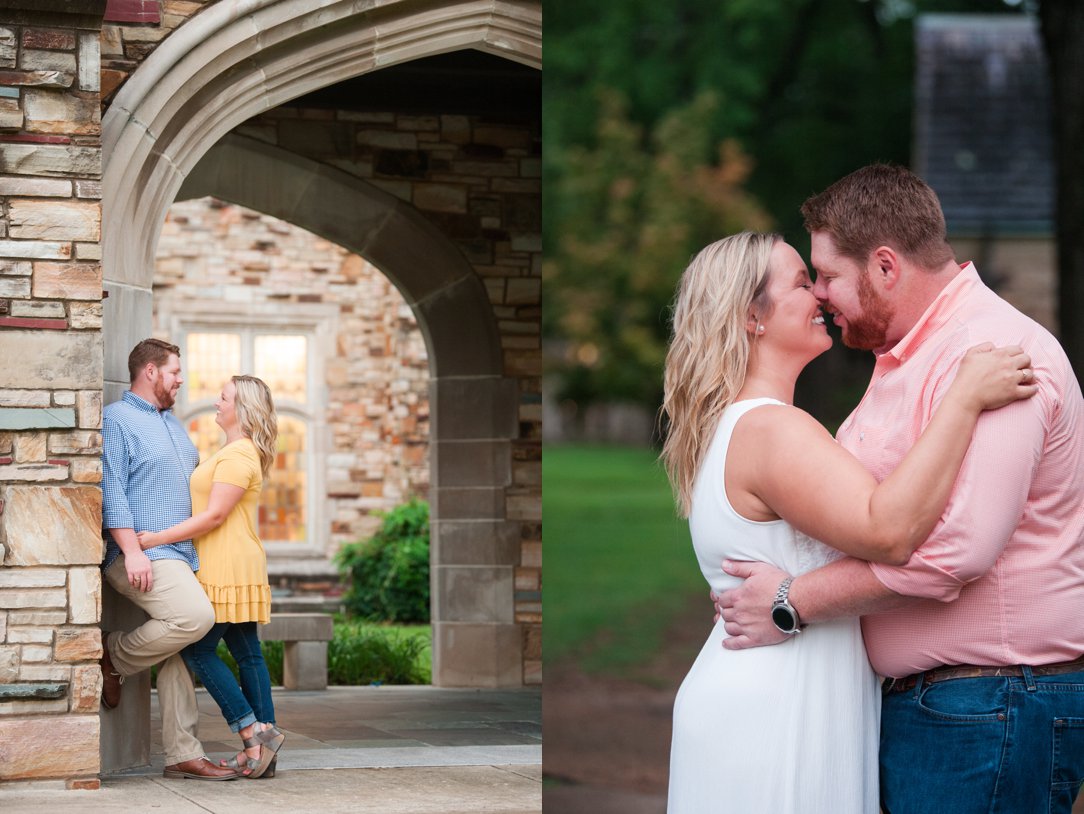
column 199, row 768
column 111, row 679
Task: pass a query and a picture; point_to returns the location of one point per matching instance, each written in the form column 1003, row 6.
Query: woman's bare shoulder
column 781, row 421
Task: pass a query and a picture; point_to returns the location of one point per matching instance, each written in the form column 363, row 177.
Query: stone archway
column 473, row 406
column 229, row 63
column 226, row 65
column 164, row 134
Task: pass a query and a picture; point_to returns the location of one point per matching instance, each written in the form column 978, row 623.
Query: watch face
column 783, row 618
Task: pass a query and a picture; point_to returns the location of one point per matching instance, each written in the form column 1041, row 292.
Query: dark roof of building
column 982, row 122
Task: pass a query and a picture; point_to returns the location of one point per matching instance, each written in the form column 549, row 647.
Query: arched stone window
column 218, row 341
column 212, row 354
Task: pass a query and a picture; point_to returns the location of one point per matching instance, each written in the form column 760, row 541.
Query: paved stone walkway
column 394, row 750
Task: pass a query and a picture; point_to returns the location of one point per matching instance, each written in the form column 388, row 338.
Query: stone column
column 476, row 639
column 50, row 391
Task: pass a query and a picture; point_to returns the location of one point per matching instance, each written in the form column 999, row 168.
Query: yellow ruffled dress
column 233, row 564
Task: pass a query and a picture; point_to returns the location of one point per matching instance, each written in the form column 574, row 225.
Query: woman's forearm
column 224, row 497
column 195, row 526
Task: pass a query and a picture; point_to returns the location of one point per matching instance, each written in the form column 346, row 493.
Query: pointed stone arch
column 167, row 129
column 235, row 60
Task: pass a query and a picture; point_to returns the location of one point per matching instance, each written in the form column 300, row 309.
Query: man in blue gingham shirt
column 146, row 461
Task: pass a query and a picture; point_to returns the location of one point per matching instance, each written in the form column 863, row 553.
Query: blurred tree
column 628, row 219
column 811, row 89
column 1062, row 24
column 805, row 91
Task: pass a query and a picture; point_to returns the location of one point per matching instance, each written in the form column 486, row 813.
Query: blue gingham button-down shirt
column 147, row 459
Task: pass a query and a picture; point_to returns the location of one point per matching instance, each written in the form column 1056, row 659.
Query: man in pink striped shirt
column 981, row 633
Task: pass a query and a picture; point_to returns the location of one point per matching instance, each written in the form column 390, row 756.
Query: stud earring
column 760, row 328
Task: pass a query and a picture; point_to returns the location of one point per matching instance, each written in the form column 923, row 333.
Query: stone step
column 305, row 584
column 305, row 603
column 312, row 567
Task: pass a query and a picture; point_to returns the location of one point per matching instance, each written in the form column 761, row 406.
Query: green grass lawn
column 618, row 560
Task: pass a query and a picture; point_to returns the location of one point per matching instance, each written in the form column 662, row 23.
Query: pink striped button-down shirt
column 1002, row 574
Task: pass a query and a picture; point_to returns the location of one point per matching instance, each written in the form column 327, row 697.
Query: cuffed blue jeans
column 984, row 746
column 244, row 705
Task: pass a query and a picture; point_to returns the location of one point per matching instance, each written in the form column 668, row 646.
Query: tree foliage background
column 669, row 125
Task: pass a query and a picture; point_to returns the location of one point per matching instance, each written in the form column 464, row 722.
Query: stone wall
column 133, row 29
column 375, row 396
column 50, row 395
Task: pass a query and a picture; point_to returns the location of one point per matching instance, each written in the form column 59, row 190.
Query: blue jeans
column 244, row 705
column 991, row 745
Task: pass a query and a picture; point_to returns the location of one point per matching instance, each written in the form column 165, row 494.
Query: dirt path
column 607, row 740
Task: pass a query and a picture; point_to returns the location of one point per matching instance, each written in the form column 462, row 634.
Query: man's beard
column 868, row 331
column 165, row 397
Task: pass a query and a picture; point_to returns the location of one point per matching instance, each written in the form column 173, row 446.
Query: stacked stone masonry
column 50, row 404
column 132, row 30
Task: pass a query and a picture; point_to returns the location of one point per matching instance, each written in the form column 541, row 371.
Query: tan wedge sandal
column 249, row 765
column 270, row 740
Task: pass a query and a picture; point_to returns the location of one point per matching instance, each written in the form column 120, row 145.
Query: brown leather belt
column 970, row 671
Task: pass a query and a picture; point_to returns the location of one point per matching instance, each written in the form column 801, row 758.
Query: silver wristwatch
column 784, row 616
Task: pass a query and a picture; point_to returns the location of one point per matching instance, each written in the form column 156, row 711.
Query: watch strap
column 783, row 594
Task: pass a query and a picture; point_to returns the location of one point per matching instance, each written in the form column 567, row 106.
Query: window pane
column 208, row 363
column 282, row 509
column 206, row 434
column 281, row 362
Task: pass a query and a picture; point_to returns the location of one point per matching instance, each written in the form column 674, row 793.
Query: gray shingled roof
column 982, row 128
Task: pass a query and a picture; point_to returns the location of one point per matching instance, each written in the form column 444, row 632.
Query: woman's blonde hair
column 256, row 417
column 709, row 352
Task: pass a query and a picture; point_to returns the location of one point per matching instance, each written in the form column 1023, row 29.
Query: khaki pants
column 180, row 614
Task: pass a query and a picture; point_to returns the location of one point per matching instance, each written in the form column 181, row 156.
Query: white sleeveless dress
column 787, row 729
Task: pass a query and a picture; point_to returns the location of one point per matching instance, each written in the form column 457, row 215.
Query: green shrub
column 367, row 654
column 389, row 573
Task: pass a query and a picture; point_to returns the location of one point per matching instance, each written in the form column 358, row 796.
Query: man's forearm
column 843, row 588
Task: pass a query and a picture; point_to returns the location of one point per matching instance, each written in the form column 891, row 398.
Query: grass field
column 618, row 560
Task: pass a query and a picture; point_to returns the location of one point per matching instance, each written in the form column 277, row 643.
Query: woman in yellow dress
column 233, row 569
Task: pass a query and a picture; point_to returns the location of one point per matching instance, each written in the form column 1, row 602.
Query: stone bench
column 304, row 657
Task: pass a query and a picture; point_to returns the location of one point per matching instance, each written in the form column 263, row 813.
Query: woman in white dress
column 791, row 729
